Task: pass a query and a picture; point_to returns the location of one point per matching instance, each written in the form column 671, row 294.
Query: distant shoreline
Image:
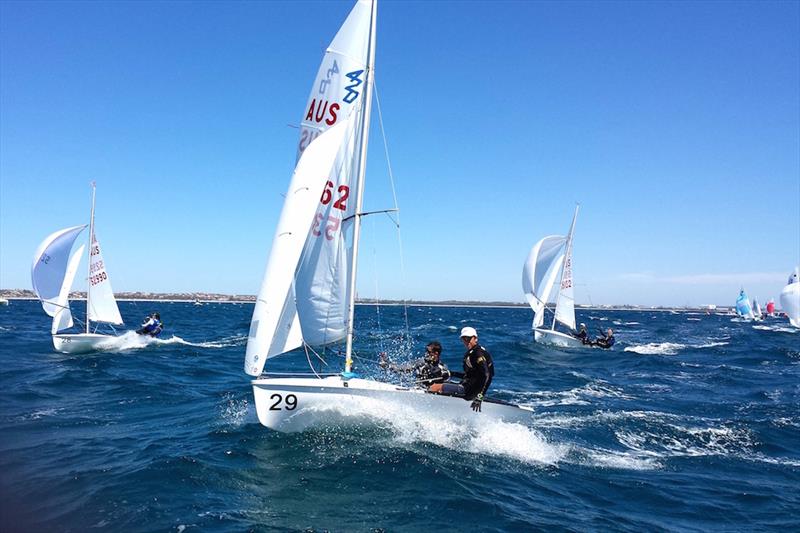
column 205, row 298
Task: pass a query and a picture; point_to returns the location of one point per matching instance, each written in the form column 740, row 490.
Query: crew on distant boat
column 477, row 375
column 604, row 340
column 582, row 334
column 427, row 370
column 151, row 326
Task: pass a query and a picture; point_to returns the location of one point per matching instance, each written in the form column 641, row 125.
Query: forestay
column 539, row 273
column 304, row 296
column 49, row 268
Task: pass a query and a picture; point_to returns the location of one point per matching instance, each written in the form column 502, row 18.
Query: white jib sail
column 50, row 267
column 790, row 299
column 322, row 279
column 63, row 317
column 565, row 305
column 103, row 305
column 539, row 273
column 274, row 328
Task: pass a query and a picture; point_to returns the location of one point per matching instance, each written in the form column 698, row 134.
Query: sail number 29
column 290, row 402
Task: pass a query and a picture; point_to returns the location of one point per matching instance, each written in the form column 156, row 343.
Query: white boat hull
column 295, row 404
column 556, row 338
column 80, row 342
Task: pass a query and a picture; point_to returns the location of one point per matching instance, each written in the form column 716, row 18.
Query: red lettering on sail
column 332, row 120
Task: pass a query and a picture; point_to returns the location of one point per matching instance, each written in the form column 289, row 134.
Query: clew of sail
column 539, row 273
column 103, row 306
column 790, row 299
column 63, row 317
column 565, row 304
column 49, row 267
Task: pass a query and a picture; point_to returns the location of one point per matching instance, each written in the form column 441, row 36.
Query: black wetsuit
column 478, row 372
column 605, row 342
column 427, row 372
column 583, row 336
column 430, row 372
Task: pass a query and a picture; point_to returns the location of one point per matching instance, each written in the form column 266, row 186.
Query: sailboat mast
column 362, row 167
column 567, row 259
column 89, row 266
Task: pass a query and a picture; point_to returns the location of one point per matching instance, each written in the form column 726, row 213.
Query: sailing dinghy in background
column 743, row 307
column 53, row 273
column 790, row 298
column 307, row 298
column 549, row 259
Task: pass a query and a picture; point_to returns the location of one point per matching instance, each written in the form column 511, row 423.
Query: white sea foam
column 130, row 340
column 656, row 348
column 622, row 460
column 693, row 319
column 234, row 412
column 781, row 329
column 479, row 434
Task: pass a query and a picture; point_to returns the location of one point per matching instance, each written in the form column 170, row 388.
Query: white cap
column 468, row 332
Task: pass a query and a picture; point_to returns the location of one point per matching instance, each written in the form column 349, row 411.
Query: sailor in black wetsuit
column 583, row 335
column 606, row 341
column 478, row 372
column 427, row 370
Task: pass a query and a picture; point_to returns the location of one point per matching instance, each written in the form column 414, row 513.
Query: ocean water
column 691, row 422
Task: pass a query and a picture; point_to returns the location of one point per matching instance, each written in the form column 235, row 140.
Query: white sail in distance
column 790, row 299
column 565, row 305
column 539, row 273
column 304, row 295
column 50, row 267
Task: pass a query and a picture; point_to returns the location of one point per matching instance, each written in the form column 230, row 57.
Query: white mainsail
column 790, row 299
column 565, row 305
column 102, row 304
column 63, row 317
column 49, row 267
column 305, row 295
column 539, row 273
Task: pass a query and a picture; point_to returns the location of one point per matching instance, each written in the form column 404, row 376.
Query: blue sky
column 676, row 125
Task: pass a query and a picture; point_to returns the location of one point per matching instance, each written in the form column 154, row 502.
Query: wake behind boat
column 307, row 298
